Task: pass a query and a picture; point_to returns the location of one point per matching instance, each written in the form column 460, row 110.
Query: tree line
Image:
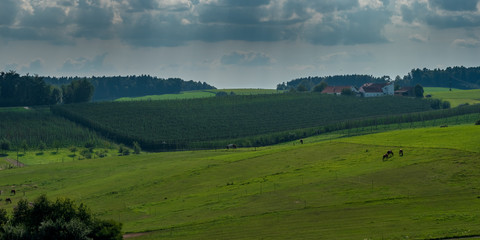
column 309, row 83
column 451, row 77
column 110, row 88
column 16, row 90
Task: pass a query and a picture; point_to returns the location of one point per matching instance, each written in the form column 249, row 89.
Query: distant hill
column 110, row 88
column 338, row 80
column 451, row 77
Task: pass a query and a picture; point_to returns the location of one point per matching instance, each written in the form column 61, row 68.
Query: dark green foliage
column 319, row 87
column 302, row 88
column 28, row 129
column 477, row 122
column 338, row 80
column 107, row 229
column 221, row 94
column 16, row 90
column 136, row 147
column 451, row 77
column 4, row 145
column 78, row 91
column 109, row 88
column 418, row 90
column 62, row 220
column 438, row 104
column 347, row 92
column 212, row 122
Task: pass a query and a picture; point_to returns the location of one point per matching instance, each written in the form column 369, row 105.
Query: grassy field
column 200, row 94
column 331, row 189
column 456, row 97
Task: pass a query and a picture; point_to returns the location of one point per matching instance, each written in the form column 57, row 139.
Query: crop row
column 37, row 127
column 211, row 122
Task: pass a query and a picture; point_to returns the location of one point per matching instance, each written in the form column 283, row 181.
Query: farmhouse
column 337, row 90
column 404, row 91
column 376, row 89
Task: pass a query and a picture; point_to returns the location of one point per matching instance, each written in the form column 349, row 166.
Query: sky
column 237, row 43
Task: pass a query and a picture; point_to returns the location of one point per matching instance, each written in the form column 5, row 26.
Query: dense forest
column 16, row 90
column 308, row 83
column 451, row 77
column 110, row 88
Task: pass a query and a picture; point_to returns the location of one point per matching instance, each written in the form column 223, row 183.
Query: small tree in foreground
column 61, row 220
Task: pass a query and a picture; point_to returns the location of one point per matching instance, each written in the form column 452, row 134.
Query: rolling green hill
column 456, row 97
column 215, row 122
column 339, row 189
column 34, row 126
column 200, row 94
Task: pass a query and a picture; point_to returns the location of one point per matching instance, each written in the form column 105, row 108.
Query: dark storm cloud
column 92, row 20
column 443, row 14
column 246, row 59
column 8, row 11
column 456, row 5
column 350, row 28
column 154, row 23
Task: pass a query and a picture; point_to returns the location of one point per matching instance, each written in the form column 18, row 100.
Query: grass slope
column 337, row 189
column 199, row 94
column 456, row 97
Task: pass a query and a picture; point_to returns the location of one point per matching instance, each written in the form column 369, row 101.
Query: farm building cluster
column 370, row 90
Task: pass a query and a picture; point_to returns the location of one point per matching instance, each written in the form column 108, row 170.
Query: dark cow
column 390, row 152
column 385, row 156
column 400, row 153
column 13, row 192
column 301, row 141
column 231, row 146
column 8, row 200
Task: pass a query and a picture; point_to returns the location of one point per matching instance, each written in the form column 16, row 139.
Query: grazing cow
column 8, row 200
column 231, row 146
column 400, row 153
column 390, row 152
column 444, row 126
column 301, row 141
column 385, row 156
column 13, row 192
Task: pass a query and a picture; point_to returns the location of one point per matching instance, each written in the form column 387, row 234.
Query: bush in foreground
column 60, row 220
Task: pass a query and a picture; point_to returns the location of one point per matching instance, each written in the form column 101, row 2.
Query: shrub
column 478, row 122
column 61, row 219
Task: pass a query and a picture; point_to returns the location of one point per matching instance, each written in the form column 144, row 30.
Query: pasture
column 456, row 97
column 199, row 94
column 331, row 189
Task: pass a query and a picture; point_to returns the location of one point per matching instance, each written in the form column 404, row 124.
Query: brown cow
column 8, row 200
column 400, row 153
column 390, row 152
column 385, row 156
column 13, row 192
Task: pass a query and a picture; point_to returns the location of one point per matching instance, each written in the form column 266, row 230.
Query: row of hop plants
column 179, row 124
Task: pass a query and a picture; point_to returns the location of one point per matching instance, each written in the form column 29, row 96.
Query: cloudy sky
column 237, row 43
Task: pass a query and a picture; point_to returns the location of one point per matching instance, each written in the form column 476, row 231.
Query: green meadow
column 199, row 94
column 456, row 97
column 323, row 189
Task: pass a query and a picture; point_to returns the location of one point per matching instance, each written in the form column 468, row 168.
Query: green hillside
column 215, row 122
column 339, row 189
column 34, row 126
column 200, row 94
column 457, row 97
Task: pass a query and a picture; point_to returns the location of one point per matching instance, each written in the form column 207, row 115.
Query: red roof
column 373, row 87
column 335, row 89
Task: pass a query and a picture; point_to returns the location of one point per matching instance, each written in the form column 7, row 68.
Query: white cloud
column 467, row 43
column 418, row 38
